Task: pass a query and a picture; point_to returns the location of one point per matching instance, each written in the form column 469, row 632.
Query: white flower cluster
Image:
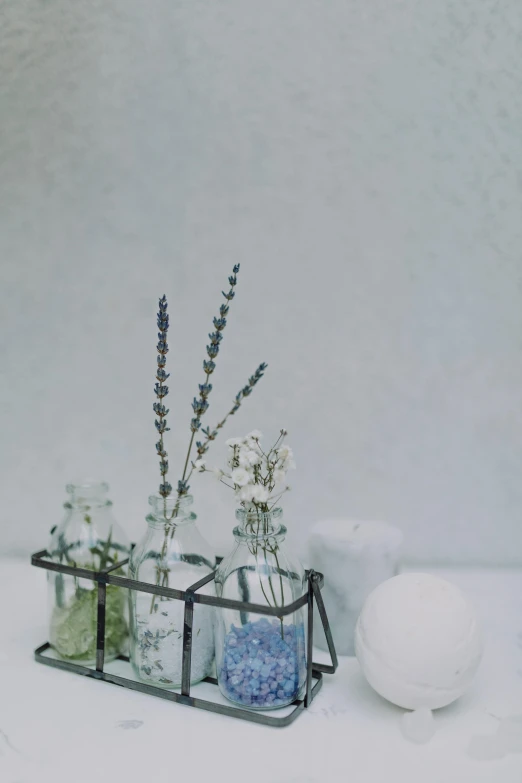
column 254, row 474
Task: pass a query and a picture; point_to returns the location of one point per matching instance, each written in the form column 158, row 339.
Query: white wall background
column 362, row 160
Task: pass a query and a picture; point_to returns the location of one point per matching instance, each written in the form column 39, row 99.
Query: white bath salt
column 510, row 733
column 486, row 747
column 418, row 726
column 159, row 653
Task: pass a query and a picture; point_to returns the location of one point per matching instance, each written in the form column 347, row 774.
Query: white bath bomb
column 417, row 641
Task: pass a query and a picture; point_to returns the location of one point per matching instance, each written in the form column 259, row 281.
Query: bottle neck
column 170, row 511
column 87, row 494
column 254, row 523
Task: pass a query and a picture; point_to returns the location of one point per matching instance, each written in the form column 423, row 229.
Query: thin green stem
column 278, row 498
column 188, row 454
column 265, row 548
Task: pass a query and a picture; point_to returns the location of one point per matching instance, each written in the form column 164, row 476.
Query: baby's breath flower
column 259, row 494
column 255, row 474
column 252, row 445
column 231, row 442
column 286, row 456
column 248, row 458
column 279, row 476
column 253, row 457
column 199, row 465
column 217, row 473
column 241, row 459
column 240, row 477
column 245, row 494
column 284, row 452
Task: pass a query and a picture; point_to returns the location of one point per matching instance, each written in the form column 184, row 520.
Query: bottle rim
column 240, row 534
column 87, row 493
column 176, row 510
column 253, row 513
column 88, row 485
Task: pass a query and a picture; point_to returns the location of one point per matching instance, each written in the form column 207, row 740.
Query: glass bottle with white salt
column 172, row 553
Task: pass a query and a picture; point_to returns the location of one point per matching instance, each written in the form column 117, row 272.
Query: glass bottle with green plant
column 88, row 537
column 173, row 553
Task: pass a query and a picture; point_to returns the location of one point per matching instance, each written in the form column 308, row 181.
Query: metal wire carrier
column 315, row 671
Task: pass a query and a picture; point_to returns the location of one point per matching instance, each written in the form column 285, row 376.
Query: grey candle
column 354, row 557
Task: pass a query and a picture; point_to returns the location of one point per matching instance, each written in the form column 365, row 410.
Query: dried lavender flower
column 200, row 404
column 210, row 435
column 161, row 392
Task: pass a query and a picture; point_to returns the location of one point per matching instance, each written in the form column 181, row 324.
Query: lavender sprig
column 161, row 391
column 200, row 403
column 210, row 435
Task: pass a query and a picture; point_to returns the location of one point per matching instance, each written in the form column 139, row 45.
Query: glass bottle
column 260, row 660
column 89, row 537
column 172, row 553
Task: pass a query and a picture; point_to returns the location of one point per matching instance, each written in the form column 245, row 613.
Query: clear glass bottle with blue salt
column 260, row 660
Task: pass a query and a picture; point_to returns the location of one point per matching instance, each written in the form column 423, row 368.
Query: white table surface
column 59, row 727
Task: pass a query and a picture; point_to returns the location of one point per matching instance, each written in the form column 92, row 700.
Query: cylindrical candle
column 354, row 557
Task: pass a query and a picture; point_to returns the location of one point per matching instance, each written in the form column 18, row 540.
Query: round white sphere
column 418, row 642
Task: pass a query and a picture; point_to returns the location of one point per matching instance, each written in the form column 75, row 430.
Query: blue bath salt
column 261, row 669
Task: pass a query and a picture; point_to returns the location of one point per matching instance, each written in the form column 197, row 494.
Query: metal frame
column 190, row 597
